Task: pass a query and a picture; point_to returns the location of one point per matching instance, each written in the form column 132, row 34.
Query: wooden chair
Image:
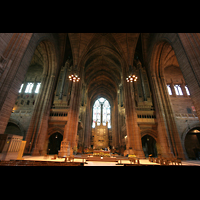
column 71, row 158
column 46, row 156
column 54, row 158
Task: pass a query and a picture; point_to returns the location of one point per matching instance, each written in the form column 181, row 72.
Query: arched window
column 169, row 89
column 29, row 88
column 96, row 113
column 178, row 90
column 101, row 107
column 20, row 90
column 187, row 90
column 37, row 87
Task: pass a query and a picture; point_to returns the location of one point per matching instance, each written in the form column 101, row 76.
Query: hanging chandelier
column 131, row 78
column 74, row 78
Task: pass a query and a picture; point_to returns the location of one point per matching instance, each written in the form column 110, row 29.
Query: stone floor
column 78, row 158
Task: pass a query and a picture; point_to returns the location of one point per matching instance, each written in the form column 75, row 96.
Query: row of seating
column 38, row 163
column 165, row 160
column 133, row 159
column 67, row 158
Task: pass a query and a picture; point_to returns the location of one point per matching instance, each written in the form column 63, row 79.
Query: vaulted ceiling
column 103, row 55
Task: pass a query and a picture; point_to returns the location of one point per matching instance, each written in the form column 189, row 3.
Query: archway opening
column 54, row 143
column 149, row 146
column 13, row 129
column 192, row 143
column 173, row 96
column 29, row 89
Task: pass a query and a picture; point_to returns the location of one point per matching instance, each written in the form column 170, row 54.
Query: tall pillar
column 39, row 144
column 70, row 130
column 163, row 138
column 33, row 126
column 87, row 125
column 115, row 125
column 175, row 138
column 134, row 145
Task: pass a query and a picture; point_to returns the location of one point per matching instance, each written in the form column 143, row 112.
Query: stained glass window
column 106, row 113
column 97, row 112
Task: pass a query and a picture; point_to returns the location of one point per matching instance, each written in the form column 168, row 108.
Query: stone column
column 116, row 133
column 175, row 138
column 87, row 125
column 31, row 132
column 134, row 145
column 163, row 138
column 70, row 130
column 40, row 137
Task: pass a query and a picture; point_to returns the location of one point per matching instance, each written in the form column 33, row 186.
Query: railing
column 58, row 114
column 21, row 112
column 185, row 115
column 146, row 116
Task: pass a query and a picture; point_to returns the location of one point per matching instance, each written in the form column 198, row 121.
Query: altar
column 101, row 153
column 101, row 136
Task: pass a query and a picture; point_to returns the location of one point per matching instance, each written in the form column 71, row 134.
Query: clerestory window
column 29, row 88
column 169, row 89
column 37, row 87
column 178, row 90
column 187, row 90
column 20, row 90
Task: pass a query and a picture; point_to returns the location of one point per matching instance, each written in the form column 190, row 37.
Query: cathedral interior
column 132, row 93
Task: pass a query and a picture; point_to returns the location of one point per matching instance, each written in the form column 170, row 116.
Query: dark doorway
column 149, row 146
column 54, row 143
column 192, row 144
